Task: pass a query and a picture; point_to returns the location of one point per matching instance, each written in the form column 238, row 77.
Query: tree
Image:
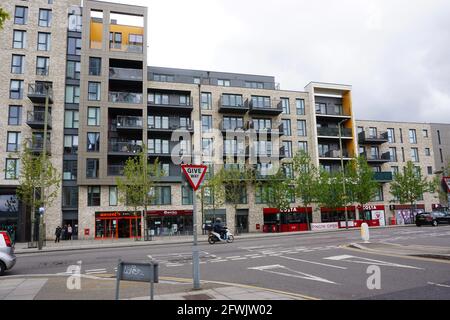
column 409, row 186
column 362, row 185
column 277, row 190
column 212, row 192
column 37, row 176
column 3, row 16
column 306, row 180
column 136, row 188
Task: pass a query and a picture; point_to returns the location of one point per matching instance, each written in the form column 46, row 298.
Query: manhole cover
column 197, row 297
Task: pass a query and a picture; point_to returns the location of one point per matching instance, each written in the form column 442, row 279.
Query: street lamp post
column 343, row 172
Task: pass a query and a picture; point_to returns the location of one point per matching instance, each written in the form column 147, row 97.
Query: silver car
column 7, row 256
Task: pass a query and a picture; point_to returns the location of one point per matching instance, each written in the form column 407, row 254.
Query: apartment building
column 107, row 103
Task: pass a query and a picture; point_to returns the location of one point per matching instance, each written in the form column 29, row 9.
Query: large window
column 20, row 15
column 207, row 146
column 391, row 135
column 254, row 84
column 74, row 46
column 93, row 116
column 72, row 94
column 187, row 195
column 16, row 89
column 70, row 170
column 17, row 64
column 303, row 146
column 95, row 66
column 12, row 169
column 233, row 123
column 44, row 41
column 115, row 40
column 135, row 39
column 206, row 101
column 94, row 91
column 45, row 17
column 287, row 149
column 223, row 82
column 158, row 146
column 232, row 100
column 93, row 141
column 301, row 128
column 378, row 195
column 393, row 154
column 206, row 123
column 300, row 106
column 161, row 196
column 412, row 136
column 415, row 154
column 70, row 144
column 93, row 196
column 262, row 124
column 287, row 127
column 261, row 102
column 15, row 115
column 285, row 106
column 42, row 66
column 113, row 196
column 158, row 98
column 71, row 119
column 69, row 197
column 73, row 70
column 158, row 122
column 163, row 77
column 13, row 141
column 92, row 167
column 19, row 39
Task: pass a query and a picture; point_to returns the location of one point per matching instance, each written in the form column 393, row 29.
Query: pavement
column 64, row 245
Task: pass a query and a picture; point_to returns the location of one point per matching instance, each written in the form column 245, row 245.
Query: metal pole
column 343, row 173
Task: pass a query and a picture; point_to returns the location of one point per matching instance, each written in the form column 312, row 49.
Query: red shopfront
column 338, row 215
column 170, row 222
column 290, row 220
column 371, row 213
column 117, row 224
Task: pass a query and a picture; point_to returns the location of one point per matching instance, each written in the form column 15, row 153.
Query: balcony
column 172, row 125
column 238, row 129
column 36, row 145
column 38, row 91
column 268, row 109
column 171, row 105
column 35, row 120
column 372, row 139
column 383, row 177
column 175, row 149
column 118, row 170
column 124, row 148
column 334, row 155
column 225, row 107
column 236, row 152
column 125, row 74
column 130, row 48
column 376, row 158
column 129, row 123
column 269, row 153
column 324, row 132
column 125, row 97
column 327, row 114
column 268, row 174
column 276, row 129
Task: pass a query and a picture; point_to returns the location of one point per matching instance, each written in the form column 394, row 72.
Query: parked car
column 434, row 218
column 7, row 256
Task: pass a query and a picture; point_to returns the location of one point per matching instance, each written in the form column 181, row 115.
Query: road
column 315, row 265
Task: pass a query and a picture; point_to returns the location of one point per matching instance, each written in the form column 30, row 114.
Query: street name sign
column 194, row 174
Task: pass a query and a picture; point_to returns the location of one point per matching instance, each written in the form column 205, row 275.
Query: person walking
column 69, row 232
column 64, row 232
column 58, row 233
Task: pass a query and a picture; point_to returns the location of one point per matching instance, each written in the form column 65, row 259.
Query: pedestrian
column 58, row 233
column 64, row 232
column 69, row 232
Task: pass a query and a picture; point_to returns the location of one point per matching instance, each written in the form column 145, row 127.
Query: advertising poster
column 379, row 215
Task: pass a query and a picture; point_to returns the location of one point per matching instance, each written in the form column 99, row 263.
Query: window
column 285, row 105
column 262, row 124
column 401, row 135
column 379, row 194
column 163, row 77
column 95, row 66
column 206, row 123
column 73, row 70
column 372, row 132
column 158, row 98
column 184, row 100
column 403, row 154
column 223, row 83
column 425, row 133
column 70, row 170
column 72, row 94
column 300, row 106
column 92, row 166
column 287, row 145
column 254, row 84
column 286, row 127
column 415, row 154
column 71, row 119
column 93, row 116
column 439, row 136
column 430, row 170
column 113, row 195
column 74, row 46
column 412, row 136
column 233, row 100
column 394, row 170
column 261, row 102
column 158, row 122
column 427, row 152
column 12, row 169
column 93, row 196
column 15, row 115
column 75, row 22
column 393, row 154
column 115, row 40
column 301, row 128
column 93, row 141
column 43, row 41
column 19, row 39
column 164, row 169
column 13, row 141
column 94, row 91
column 70, row 144
column 207, row 146
column 288, row 170
column 158, row 146
column 242, row 195
column 161, row 196
column 374, row 153
column 42, row 66
column 391, row 135
column 17, row 65
column 303, row 146
column 185, row 122
column 135, row 40
column 16, row 89
column 441, row 155
column 232, row 123
column 20, row 15
column 186, row 195
column 69, row 197
column 45, row 17
column 206, row 101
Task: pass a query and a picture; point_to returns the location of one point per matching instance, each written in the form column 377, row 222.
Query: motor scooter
column 214, row 237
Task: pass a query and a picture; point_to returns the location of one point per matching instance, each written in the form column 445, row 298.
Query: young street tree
column 37, row 175
column 361, row 187
column 277, row 190
column 306, row 180
column 3, row 16
column 136, row 188
column 212, row 193
column 409, row 186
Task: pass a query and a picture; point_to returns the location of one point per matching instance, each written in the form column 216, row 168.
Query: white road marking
column 293, row 273
column 174, row 264
column 94, row 270
column 254, row 257
column 232, row 257
column 439, row 285
column 220, row 260
column 313, row 262
column 242, row 258
column 360, row 260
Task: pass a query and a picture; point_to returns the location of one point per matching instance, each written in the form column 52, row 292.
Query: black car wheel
column 2, row 268
column 434, row 223
column 418, row 224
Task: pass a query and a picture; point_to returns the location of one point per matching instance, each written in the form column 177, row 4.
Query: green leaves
column 3, row 16
column 409, row 186
column 363, row 187
column 277, row 191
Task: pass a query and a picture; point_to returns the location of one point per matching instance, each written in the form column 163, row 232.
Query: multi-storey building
column 107, row 104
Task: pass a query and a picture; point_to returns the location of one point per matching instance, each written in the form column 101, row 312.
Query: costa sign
column 371, row 207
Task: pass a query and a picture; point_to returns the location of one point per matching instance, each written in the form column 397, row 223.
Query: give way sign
column 194, row 174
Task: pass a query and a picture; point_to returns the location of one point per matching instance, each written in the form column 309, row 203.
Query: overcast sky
column 395, row 53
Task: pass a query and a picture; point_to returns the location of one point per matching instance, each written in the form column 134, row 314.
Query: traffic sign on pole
column 194, row 174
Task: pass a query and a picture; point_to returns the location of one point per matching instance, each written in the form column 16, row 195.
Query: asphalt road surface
column 315, row 265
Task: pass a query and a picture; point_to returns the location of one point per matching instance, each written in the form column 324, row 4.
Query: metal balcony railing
column 129, row 122
column 384, row 176
column 335, row 154
column 125, row 74
column 386, row 157
column 39, row 90
column 334, row 132
column 332, row 112
column 38, row 118
column 378, row 138
column 125, row 147
column 125, row 97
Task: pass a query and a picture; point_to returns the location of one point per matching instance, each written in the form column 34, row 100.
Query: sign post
column 140, row 272
column 194, row 175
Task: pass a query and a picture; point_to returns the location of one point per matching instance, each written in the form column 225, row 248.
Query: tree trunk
column 307, row 217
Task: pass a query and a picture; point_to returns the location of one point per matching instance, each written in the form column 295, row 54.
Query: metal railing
column 131, row 48
column 37, row 145
column 241, row 104
column 170, row 103
column 39, row 117
column 125, row 74
column 334, row 132
column 383, row 176
column 125, row 147
column 334, row 154
column 125, row 97
column 115, row 170
column 129, row 122
column 40, row 89
column 332, row 113
column 370, row 157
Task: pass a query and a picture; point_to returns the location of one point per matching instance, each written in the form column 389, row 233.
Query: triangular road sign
column 194, row 174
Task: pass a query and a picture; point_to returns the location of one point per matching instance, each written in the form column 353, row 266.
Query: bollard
column 365, row 236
